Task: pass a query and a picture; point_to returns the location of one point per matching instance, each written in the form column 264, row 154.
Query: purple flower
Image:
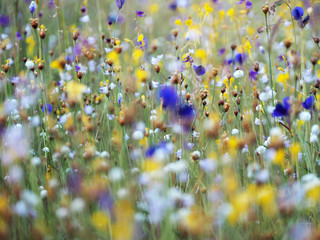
column 186, row 111
column 248, row 4
column 282, row 109
column 4, row 20
column 240, row 2
column 120, row 3
column 240, row 58
column 169, row 97
column 32, row 7
column 74, row 180
column 297, row 13
column 105, row 200
column 18, row 36
column 140, row 14
column 77, row 68
column 188, row 59
column 308, row 103
column 47, row 107
column 222, row 51
column 200, row 70
column 253, row 74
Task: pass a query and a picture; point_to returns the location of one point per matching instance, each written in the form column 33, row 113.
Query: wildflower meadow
column 160, row 119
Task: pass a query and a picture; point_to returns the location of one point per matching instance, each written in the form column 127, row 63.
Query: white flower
column 276, row 131
column 305, row 116
column 46, row 149
column 85, row 19
column 264, row 78
column 261, row 150
column 35, row 161
column 208, row 165
column 313, row 138
column 315, row 129
column 238, row 74
column 116, row 174
column 137, row 135
column 77, row 205
column 176, row 167
column 44, row 193
column 29, row 64
column 62, row 212
column 264, row 96
column 235, row 131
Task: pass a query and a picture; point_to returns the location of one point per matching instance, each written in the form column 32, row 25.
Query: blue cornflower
column 32, row 7
column 282, row 109
column 248, row 4
column 169, row 97
column 297, row 13
column 253, row 74
column 186, row 111
column 200, row 70
column 48, row 108
column 240, row 58
column 308, row 103
column 120, row 3
column 140, row 14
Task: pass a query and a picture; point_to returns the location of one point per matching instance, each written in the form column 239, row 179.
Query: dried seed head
column 287, row 43
column 157, row 68
column 265, row 9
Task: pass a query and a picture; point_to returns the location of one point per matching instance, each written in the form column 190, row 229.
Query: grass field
column 156, row 119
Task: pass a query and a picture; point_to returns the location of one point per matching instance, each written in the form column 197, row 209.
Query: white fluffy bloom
column 235, row 131
column 315, row 130
column 116, row 174
column 238, row 74
column 261, row 150
column 305, row 116
column 313, row 138
column 137, row 135
column 77, row 205
column 29, row 64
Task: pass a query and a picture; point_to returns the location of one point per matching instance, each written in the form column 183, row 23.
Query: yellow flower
column 137, row 55
column 178, row 22
column 140, row 39
column 31, row 44
column 230, row 13
column 141, row 75
column 188, row 22
column 150, row 166
column 154, row 8
column 283, row 78
column 113, row 56
column 100, row 220
column 279, row 158
column 74, row 91
column 201, row 53
column 208, row 9
column 248, row 47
